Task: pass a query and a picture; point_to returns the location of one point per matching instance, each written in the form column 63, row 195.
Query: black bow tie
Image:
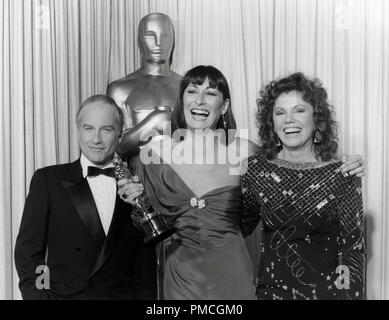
column 94, row 172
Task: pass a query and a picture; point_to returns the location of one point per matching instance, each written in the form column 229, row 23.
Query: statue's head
column 156, row 38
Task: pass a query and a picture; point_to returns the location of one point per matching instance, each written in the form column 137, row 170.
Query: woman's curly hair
column 313, row 93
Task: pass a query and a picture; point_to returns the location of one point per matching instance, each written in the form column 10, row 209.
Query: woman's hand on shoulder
column 353, row 165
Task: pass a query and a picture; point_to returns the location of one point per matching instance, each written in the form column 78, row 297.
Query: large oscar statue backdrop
column 147, row 98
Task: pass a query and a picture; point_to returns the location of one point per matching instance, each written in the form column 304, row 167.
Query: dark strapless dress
column 207, row 257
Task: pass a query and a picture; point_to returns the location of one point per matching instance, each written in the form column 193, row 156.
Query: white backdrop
column 55, row 53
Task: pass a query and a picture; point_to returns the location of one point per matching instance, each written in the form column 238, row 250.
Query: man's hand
column 130, row 189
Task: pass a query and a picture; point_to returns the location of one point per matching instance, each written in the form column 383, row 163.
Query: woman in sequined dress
column 312, row 214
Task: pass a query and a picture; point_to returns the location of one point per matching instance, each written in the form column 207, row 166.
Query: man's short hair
column 107, row 100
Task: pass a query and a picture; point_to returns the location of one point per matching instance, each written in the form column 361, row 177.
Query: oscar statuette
column 151, row 221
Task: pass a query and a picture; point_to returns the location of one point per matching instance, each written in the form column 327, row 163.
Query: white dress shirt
column 104, row 192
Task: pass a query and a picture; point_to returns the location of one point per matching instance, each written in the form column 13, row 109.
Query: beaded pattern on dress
column 312, row 222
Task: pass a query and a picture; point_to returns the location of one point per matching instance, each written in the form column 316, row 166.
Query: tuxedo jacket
column 61, row 229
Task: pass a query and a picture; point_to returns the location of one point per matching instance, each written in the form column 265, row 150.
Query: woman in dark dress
column 312, row 214
column 207, row 257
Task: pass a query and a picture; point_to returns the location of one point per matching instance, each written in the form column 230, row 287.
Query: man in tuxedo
column 76, row 226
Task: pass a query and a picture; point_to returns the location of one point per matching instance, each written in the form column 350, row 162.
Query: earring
column 224, row 122
column 316, row 137
column 278, row 143
column 116, row 157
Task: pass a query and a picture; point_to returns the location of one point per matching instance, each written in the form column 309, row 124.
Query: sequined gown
column 207, row 257
column 312, row 229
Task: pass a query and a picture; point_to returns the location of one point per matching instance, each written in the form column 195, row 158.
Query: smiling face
column 293, row 121
column 98, row 132
column 203, row 105
column 156, row 38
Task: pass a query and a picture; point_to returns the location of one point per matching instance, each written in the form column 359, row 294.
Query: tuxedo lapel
column 120, row 220
column 79, row 192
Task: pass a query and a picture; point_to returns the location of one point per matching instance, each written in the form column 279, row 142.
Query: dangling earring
column 116, row 157
column 278, row 143
column 316, row 137
column 224, row 122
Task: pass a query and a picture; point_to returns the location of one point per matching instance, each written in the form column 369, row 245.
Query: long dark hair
column 325, row 128
column 197, row 76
